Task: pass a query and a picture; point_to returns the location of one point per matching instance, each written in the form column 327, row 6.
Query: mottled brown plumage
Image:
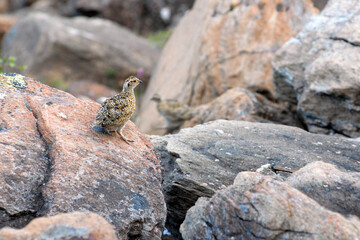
column 117, row 110
column 173, row 111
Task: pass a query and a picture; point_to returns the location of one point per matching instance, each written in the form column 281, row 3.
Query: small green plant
column 9, row 62
column 160, row 37
column 58, row 83
column 110, row 73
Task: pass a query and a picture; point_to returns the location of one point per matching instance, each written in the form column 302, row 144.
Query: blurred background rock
column 112, row 40
column 219, row 54
column 284, row 62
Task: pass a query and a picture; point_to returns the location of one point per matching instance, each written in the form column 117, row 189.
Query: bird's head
column 130, row 83
column 156, row 98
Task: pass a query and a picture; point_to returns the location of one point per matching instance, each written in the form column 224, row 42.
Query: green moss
column 12, row 81
column 159, row 38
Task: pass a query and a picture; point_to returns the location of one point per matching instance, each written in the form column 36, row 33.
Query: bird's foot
column 128, row 141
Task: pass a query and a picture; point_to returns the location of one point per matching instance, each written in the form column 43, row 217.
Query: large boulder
column 66, row 226
column 51, row 162
column 242, row 104
column 231, row 45
column 318, row 67
column 336, row 190
column 141, row 16
column 199, row 161
column 59, row 49
column 258, row 207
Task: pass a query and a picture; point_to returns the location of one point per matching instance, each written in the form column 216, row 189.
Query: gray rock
column 336, row 190
column 259, row 207
column 201, row 160
column 318, row 67
column 60, row 49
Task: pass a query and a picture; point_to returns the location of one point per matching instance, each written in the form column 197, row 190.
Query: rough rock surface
column 231, row 45
column 201, row 160
column 242, row 104
column 55, row 48
column 336, row 190
column 258, row 207
column 51, row 162
column 66, row 226
column 142, row 16
column 318, row 67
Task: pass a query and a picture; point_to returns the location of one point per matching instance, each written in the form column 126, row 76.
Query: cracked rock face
column 319, row 66
column 76, row 225
column 231, row 45
column 51, row 162
column 199, row 161
column 259, row 207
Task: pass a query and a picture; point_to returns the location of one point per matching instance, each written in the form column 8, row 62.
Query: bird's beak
column 140, row 81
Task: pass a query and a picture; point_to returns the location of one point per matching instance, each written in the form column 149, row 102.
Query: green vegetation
column 9, row 62
column 160, row 37
column 58, row 83
column 110, row 73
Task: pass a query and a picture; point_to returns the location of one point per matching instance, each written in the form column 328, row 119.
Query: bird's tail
column 95, row 125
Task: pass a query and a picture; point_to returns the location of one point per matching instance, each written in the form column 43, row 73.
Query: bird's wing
column 113, row 111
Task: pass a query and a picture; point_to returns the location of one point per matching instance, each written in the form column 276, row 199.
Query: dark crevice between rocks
column 18, row 220
column 177, row 193
column 87, row 12
column 49, row 164
column 135, row 229
column 277, row 169
column 179, row 199
column 355, row 44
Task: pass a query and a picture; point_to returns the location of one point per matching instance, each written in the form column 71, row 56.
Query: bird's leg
column 128, row 141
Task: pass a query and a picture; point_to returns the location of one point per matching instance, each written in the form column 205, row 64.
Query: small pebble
column 62, row 115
